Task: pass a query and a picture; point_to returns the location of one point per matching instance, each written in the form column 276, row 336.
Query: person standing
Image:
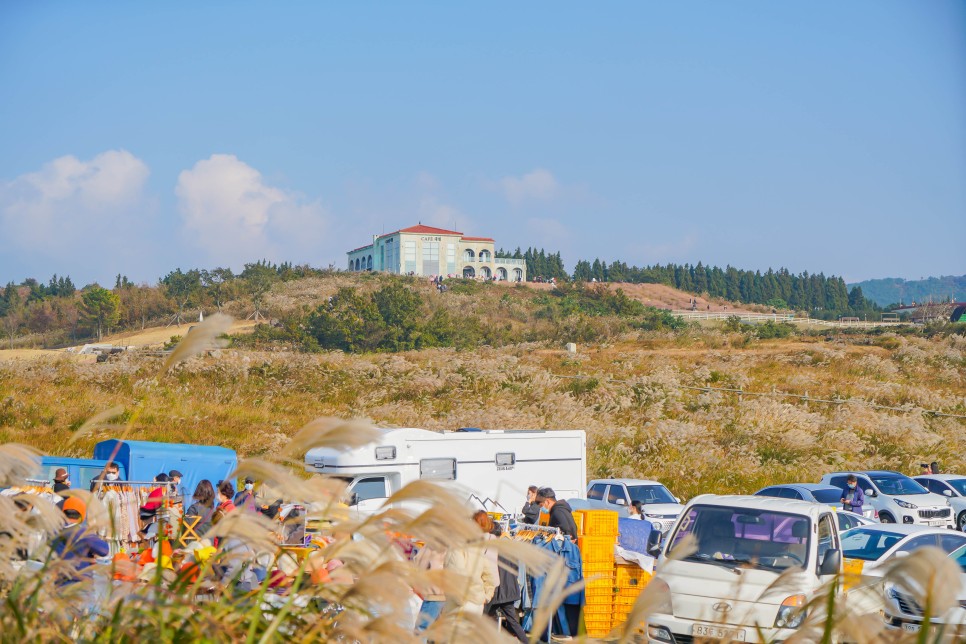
column 174, row 482
column 61, row 481
column 531, row 511
column 111, row 473
column 434, row 599
column 478, row 569
column 934, row 467
column 507, row 593
column 561, row 514
column 77, row 543
column 924, row 469
column 852, row 496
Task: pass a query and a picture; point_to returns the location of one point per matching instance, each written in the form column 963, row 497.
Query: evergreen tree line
column 540, row 264
column 820, row 295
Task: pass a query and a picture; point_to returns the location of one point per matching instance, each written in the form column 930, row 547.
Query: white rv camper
column 493, row 468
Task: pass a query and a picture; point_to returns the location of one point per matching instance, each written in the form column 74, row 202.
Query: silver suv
column 658, row 505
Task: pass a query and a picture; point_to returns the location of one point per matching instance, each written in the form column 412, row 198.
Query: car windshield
column 732, row 537
column 897, row 484
column 959, row 556
column 863, row 543
column 959, row 485
column 649, row 494
column 830, row 495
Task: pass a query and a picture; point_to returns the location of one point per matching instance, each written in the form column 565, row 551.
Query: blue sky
column 821, row 136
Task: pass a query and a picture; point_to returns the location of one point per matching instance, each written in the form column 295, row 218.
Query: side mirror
column 948, row 493
column 831, row 563
column 620, row 502
column 677, row 500
column 901, row 554
column 870, row 493
column 354, row 499
column 654, row 543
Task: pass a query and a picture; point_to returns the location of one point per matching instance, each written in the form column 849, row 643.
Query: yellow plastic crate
column 603, row 610
column 596, row 549
column 579, row 520
column 631, row 576
column 602, row 569
column 624, row 602
column 598, row 523
column 597, row 628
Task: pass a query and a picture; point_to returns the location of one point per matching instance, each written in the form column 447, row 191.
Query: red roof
column 360, row 248
column 428, row 230
column 484, row 239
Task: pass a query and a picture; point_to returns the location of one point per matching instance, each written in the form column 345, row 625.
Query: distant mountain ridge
column 890, row 290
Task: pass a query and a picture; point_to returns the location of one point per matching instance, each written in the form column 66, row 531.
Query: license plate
column 718, row 632
column 938, row 523
column 911, row 628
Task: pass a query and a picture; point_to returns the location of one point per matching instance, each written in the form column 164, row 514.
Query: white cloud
column 433, row 211
column 235, row 217
column 54, row 219
column 538, row 185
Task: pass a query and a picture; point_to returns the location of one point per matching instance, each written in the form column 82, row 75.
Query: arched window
column 501, row 274
column 469, row 255
column 469, row 273
column 484, row 255
column 485, row 270
column 351, row 264
column 517, row 275
column 358, row 267
column 369, row 263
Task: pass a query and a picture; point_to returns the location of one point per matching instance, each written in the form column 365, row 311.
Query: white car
column 953, row 487
column 902, row 611
column 726, row 589
column 897, row 498
column 658, row 505
column 867, row 549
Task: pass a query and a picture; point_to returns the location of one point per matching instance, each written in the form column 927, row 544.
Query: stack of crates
column 629, row 581
column 598, row 536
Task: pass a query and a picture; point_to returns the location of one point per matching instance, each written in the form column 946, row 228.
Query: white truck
column 492, row 468
column 740, row 582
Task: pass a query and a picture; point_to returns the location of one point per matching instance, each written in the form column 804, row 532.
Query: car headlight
column 659, row 633
column 890, row 590
column 791, row 613
column 906, row 504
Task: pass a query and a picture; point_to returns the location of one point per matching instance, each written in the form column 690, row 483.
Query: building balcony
column 509, row 261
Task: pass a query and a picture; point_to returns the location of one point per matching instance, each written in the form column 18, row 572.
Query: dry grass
column 646, row 424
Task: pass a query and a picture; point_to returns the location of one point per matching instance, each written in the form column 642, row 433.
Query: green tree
column 401, row 313
column 101, row 308
column 182, row 287
column 349, row 321
column 259, row 278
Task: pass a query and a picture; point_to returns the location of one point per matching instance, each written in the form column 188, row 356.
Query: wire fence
column 909, row 409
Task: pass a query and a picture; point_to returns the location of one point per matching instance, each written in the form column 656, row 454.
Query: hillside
column 639, row 395
column 891, row 290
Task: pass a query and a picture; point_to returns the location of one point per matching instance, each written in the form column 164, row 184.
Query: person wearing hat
column 174, row 482
column 77, row 543
column 245, row 498
column 61, row 481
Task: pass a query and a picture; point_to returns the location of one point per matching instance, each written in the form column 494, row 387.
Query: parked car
column 726, row 589
column 897, row 498
column 867, row 548
column 824, row 494
column 903, row 612
column 658, row 505
column 849, row 520
column 953, row 487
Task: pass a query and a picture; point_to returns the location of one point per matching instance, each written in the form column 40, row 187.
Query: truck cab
column 725, row 589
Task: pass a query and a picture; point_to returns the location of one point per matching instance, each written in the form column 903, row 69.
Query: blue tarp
column 633, row 534
column 144, row 460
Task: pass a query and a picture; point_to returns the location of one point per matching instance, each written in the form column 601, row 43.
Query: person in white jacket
column 479, row 568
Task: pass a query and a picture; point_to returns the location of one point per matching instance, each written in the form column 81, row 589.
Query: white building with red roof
column 428, row 251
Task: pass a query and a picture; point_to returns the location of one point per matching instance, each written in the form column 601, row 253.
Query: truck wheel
column 961, row 522
column 885, row 517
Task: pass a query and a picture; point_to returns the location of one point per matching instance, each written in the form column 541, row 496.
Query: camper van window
column 506, row 459
column 438, row 468
column 370, row 488
column 386, row 453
